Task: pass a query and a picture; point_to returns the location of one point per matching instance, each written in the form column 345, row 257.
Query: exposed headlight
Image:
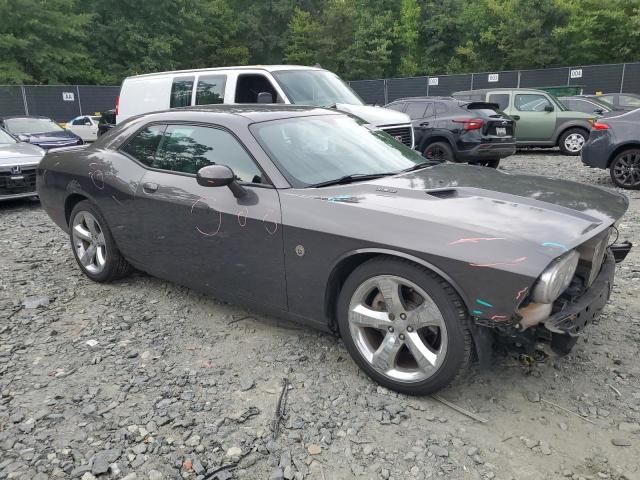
column 556, row 278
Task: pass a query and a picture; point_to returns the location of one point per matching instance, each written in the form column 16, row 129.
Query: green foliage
column 93, row 41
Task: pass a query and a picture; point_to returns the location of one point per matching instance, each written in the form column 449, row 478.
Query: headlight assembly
column 556, row 278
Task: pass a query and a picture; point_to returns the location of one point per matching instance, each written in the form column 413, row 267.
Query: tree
column 307, row 42
column 44, row 42
column 407, row 34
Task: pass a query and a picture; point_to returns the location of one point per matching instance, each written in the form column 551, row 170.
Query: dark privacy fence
column 621, row 77
column 59, row 102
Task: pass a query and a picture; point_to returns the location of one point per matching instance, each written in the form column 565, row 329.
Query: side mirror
column 598, row 111
column 265, row 97
column 549, row 108
column 220, row 176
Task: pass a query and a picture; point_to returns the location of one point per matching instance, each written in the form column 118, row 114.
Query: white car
column 287, row 84
column 85, row 126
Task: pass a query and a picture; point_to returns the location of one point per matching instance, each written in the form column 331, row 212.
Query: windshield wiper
column 355, row 177
column 421, row 165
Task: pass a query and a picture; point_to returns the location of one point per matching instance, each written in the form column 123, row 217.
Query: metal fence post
column 624, row 66
column 386, row 92
column 79, row 102
column 471, row 82
column 24, row 100
column 518, row 79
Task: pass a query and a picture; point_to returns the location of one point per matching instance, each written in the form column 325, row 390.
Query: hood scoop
column 444, row 193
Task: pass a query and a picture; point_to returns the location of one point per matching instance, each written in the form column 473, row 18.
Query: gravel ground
column 143, row 379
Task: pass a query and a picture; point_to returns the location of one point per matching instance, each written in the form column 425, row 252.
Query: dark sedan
column 614, row 144
column 317, row 216
column 40, row 131
column 459, row 131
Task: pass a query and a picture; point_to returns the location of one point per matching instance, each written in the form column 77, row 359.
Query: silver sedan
column 18, row 163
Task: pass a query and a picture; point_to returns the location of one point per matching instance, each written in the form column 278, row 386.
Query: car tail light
column 599, row 126
column 117, row 104
column 470, row 123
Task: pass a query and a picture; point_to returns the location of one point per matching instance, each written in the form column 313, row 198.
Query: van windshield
column 316, row 87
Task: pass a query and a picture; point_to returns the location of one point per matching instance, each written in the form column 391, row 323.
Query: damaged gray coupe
column 316, row 216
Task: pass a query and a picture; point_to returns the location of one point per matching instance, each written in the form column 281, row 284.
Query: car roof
column 257, row 112
column 268, row 68
column 503, row 89
column 425, row 98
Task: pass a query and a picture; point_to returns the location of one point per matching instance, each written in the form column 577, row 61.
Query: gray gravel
column 143, row 379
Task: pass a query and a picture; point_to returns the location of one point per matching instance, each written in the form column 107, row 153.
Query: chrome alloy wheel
column 397, row 328
column 574, row 142
column 88, row 242
column 626, row 169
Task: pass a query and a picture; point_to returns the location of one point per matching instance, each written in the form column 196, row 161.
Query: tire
column 625, row 169
column 88, row 229
column 486, row 163
column 572, row 141
column 438, row 151
column 434, row 322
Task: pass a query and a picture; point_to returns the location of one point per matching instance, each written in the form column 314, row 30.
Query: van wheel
column 572, row 141
column 625, row 169
column 404, row 326
column 438, row 151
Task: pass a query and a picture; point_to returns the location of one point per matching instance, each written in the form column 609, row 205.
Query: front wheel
column 404, row 326
column 93, row 246
column 625, row 169
column 572, row 141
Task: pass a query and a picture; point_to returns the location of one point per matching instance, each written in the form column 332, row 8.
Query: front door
column 533, row 122
column 205, row 237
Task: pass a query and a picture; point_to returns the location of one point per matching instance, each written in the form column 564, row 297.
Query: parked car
column 288, row 84
column 312, row 215
column 592, row 105
column 614, row 143
column 107, row 121
column 541, row 120
column 626, row 100
column 18, row 162
column 40, row 131
column 85, row 126
column 459, row 131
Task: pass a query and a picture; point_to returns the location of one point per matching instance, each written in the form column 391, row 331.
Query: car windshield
column 317, row 149
column 5, row 138
column 315, row 87
column 31, row 125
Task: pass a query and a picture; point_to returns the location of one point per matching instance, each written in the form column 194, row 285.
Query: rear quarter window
column 502, row 99
column 181, row 90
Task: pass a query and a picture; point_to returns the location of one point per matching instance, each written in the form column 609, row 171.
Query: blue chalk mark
column 483, row 303
column 556, row 245
column 477, row 312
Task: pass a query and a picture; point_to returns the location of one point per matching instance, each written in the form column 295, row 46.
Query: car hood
column 19, row 153
column 450, row 203
column 46, row 137
column 377, row 116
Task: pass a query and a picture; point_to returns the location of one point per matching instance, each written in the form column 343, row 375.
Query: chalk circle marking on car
column 300, row 250
column 274, row 225
column 242, row 217
column 507, row 263
column 555, row 245
column 522, row 293
column 213, row 232
column 462, row 241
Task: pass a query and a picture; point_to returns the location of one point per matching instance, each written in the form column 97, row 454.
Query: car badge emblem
column 398, row 138
column 16, row 170
column 504, row 122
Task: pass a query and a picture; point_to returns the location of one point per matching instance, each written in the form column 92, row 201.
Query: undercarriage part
column 483, row 339
column 620, row 250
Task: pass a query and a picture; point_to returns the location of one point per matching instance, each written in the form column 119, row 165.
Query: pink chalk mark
column 515, row 261
column 499, row 317
column 474, row 240
column 522, row 293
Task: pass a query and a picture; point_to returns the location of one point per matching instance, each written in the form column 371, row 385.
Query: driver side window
column 531, row 102
column 248, row 86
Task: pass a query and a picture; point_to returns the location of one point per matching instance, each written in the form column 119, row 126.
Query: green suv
column 540, row 119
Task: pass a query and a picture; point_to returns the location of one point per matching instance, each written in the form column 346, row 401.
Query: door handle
column 515, row 117
column 149, row 187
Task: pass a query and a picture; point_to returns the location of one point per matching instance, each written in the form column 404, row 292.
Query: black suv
column 459, row 131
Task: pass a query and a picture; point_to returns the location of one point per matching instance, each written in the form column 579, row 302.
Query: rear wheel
column 404, row 326
column 625, row 169
column 438, row 151
column 93, row 246
column 572, row 141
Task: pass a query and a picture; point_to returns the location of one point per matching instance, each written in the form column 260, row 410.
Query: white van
column 287, row 84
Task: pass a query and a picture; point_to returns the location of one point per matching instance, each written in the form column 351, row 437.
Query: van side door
column 244, row 86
